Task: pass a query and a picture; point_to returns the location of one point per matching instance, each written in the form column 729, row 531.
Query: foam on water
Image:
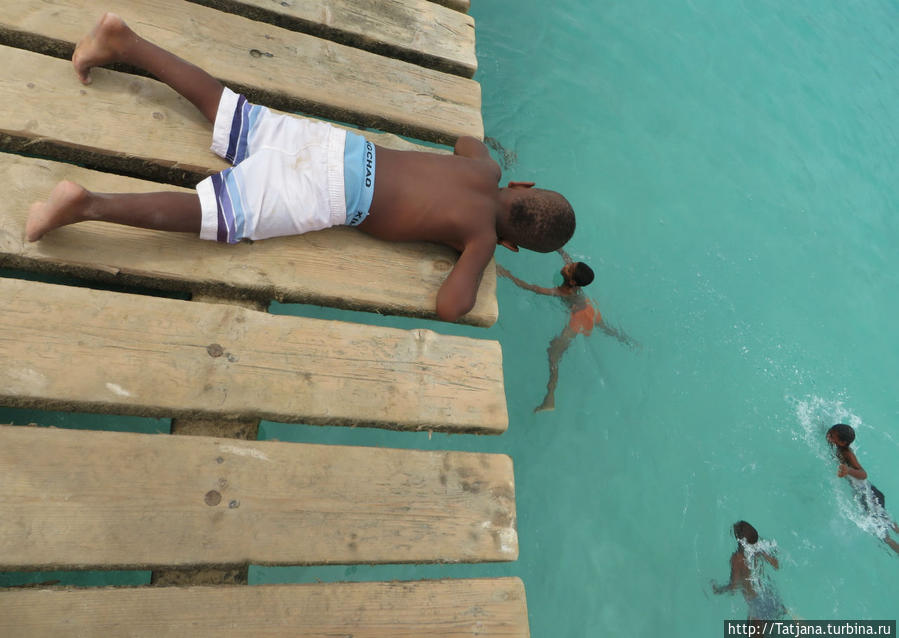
column 761, row 580
column 815, row 415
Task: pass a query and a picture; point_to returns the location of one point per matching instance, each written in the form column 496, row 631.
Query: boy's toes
column 32, row 226
column 84, row 76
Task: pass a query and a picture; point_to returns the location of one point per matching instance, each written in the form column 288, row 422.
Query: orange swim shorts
column 582, row 320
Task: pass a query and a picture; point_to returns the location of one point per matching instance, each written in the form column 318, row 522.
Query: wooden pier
column 197, row 510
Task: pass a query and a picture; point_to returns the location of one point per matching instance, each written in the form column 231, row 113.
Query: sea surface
column 733, row 166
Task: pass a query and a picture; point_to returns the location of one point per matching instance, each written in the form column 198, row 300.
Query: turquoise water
column 733, row 167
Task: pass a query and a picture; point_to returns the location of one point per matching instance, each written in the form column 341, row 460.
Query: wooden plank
column 150, row 356
column 120, row 122
column 491, row 608
column 247, row 429
column 285, row 69
column 416, row 31
column 456, row 5
column 338, row 267
column 75, row 499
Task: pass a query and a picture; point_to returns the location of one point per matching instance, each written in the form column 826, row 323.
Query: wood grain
column 70, row 348
column 489, row 608
column 274, row 66
column 456, row 5
column 75, row 499
column 121, row 122
column 416, row 31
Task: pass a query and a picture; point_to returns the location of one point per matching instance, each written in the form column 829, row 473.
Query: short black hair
column 541, row 220
column 745, row 531
column 583, row 274
column 843, row 432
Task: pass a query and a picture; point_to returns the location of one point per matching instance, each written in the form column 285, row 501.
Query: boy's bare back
column 449, row 199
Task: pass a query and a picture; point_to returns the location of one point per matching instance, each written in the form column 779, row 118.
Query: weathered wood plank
column 338, row 267
column 120, row 122
column 70, row 348
column 75, row 499
column 490, row 608
column 247, row 429
column 416, row 31
column 456, row 5
column 285, row 69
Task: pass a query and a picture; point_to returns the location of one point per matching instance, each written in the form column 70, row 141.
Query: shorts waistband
column 359, row 164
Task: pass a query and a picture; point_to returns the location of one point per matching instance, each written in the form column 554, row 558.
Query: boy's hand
column 842, row 470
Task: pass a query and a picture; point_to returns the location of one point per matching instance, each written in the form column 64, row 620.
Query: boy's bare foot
column 101, row 46
column 547, row 405
column 66, row 205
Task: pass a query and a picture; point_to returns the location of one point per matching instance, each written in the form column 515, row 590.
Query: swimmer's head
column 538, row 219
column 743, row 531
column 577, row 274
column 841, row 434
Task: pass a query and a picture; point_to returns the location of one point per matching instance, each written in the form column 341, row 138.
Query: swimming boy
column 869, row 497
column 292, row 175
column 764, row 604
column 583, row 316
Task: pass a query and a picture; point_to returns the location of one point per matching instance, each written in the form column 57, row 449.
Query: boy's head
column 577, row 274
column 841, row 434
column 743, row 531
column 538, row 219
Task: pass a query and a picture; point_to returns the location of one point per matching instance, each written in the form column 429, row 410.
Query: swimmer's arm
column 771, row 559
column 721, row 589
column 565, row 256
column 459, row 291
column 851, row 466
column 540, row 290
column 732, row 585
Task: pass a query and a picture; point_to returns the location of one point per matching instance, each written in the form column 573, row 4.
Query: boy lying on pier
column 292, row 175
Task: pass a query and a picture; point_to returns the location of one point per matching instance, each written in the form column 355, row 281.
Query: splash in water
column 760, row 580
column 815, row 415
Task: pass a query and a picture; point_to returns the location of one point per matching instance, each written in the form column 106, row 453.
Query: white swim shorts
column 287, row 177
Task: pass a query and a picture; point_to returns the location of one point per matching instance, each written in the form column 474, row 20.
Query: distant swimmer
column 869, row 497
column 583, row 316
column 745, row 575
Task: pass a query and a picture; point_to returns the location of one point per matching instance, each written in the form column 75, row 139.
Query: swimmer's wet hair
column 583, row 274
column 843, row 432
column 745, row 531
column 542, row 220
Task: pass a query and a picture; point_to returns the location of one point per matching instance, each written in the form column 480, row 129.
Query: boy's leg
column 893, row 544
column 111, row 40
column 556, row 349
column 69, row 203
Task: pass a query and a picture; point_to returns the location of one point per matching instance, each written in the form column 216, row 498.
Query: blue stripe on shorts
column 236, row 198
column 236, row 126
column 227, row 226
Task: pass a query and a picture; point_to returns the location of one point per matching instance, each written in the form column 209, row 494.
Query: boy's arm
column 459, row 291
column 540, row 290
column 771, row 559
column 565, row 256
column 472, row 147
column 720, row 589
column 851, row 466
